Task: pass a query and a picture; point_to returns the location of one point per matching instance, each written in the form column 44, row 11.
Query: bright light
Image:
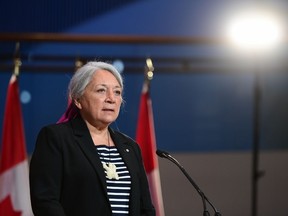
column 255, row 31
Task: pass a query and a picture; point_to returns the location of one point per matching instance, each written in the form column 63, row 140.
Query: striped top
column 118, row 190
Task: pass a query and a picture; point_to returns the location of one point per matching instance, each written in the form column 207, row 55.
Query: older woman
column 82, row 166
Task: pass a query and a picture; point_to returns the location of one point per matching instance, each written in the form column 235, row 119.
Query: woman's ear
column 123, row 102
column 77, row 103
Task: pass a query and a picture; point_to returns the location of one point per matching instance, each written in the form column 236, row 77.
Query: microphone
column 166, row 155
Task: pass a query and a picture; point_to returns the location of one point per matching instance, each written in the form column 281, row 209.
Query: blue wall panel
column 192, row 111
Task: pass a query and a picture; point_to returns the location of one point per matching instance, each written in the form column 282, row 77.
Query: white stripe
column 117, row 163
column 119, row 194
column 101, row 148
column 15, row 182
column 119, row 182
column 117, row 159
column 119, row 188
column 121, row 200
column 121, row 206
column 121, row 172
column 108, row 154
column 120, row 212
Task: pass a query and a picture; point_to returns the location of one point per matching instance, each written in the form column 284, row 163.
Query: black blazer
column 67, row 177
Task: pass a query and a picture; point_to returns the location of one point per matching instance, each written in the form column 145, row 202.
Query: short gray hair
column 83, row 76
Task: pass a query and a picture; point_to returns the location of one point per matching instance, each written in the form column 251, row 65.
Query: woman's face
column 100, row 104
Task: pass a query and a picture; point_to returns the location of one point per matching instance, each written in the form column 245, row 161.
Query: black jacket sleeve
column 46, row 175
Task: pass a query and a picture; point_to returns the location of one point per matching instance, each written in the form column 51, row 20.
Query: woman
column 82, row 166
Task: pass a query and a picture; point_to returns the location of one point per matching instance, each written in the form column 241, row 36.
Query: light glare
column 255, row 31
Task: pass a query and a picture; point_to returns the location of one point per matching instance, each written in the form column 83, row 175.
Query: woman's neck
column 101, row 136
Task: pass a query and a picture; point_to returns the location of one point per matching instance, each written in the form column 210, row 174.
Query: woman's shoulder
column 122, row 136
column 55, row 127
column 76, row 123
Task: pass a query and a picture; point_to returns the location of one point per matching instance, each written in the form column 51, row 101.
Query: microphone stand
column 166, row 155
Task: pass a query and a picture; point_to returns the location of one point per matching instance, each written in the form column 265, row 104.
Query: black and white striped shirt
column 118, row 190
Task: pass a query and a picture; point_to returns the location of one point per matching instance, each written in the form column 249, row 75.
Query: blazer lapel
column 84, row 140
column 126, row 151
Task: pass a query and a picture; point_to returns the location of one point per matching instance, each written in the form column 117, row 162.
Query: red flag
column 14, row 172
column 145, row 136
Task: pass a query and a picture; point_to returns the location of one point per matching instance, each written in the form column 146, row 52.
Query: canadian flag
column 14, row 172
column 145, row 136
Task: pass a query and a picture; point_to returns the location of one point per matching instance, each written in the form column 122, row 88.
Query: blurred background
column 217, row 108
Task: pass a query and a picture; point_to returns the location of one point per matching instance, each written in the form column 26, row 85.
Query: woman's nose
column 110, row 97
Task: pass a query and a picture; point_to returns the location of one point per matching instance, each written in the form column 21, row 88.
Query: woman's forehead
column 104, row 77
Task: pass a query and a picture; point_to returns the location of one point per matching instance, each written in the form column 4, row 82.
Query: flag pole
column 78, row 64
column 145, row 136
column 17, row 60
column 149, row 72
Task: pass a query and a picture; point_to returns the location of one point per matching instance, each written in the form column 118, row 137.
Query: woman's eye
column 118, row 92
column 101, row 90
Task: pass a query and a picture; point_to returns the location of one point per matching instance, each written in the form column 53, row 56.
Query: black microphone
column 166, row 155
